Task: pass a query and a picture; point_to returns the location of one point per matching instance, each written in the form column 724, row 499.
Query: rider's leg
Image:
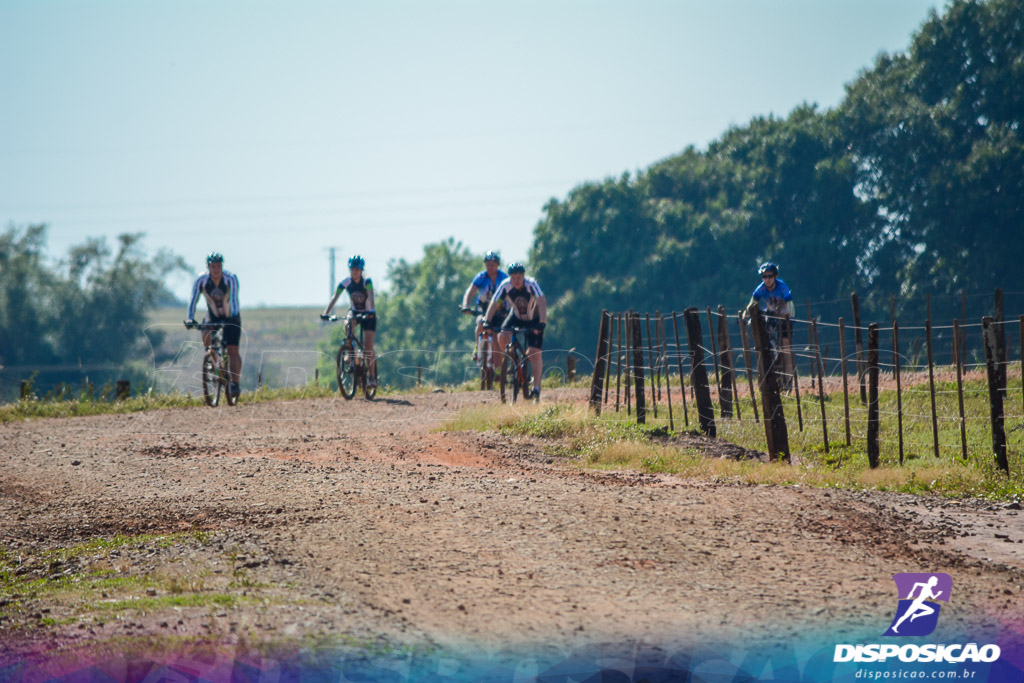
column 234, row 363
column 476, row 339
column 536, row 365
column 206, row 339
column 503, row 338
column 371, row 357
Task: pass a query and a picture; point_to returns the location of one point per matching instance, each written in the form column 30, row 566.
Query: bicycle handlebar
column 195, row 325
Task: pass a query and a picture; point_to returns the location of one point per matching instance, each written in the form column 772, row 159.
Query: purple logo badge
column 918, row 611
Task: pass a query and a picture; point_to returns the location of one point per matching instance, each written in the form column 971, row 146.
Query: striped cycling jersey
column 359, row 293
column 221, row 298
column 523, row 302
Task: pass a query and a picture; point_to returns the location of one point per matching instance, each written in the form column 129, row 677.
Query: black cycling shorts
column 369, row 323
column 534, row 337
column 232, row 328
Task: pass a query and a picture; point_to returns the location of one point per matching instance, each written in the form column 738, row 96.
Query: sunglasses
column 767, row 275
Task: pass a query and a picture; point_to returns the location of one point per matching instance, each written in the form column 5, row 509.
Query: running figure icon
column 919, row 594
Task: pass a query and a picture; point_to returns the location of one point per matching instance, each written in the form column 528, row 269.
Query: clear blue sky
column 271, row 130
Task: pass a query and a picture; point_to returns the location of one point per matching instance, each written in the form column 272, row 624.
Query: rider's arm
column 496, row 302
column 370, row 308
column 334, row 300
column 233, row 307
column 196, row 291
column 791, row 309
column 470, row 293
column 542, row 309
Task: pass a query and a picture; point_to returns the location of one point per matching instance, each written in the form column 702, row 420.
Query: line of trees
column 914, row 184
column 81, row 316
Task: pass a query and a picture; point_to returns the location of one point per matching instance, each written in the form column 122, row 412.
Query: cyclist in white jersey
column 220, row 289
column 529, row 309
column 360, row 296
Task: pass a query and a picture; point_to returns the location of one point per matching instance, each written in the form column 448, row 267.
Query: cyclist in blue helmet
column 220, row 289
column 483, row 287
column 528, row 308
column 360, row 296
column 775, row 299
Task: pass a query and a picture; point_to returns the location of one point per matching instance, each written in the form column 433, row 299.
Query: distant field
column 279, row 346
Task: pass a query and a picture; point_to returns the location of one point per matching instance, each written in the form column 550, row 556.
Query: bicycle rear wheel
column 211, row 379
column 346, row 371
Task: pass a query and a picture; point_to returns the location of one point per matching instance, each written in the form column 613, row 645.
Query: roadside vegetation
column 615, row 441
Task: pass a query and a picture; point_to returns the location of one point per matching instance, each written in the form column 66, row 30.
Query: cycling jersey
column 776, row 301
column 221, row 298
column 485, row 287
column 359, row 293
column 523, row 302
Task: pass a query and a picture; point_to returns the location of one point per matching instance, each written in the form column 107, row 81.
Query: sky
column 272, row 131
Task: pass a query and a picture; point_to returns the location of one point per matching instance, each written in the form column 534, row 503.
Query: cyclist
column 221, row 291
column 529, row 309
column 776, row 300
column 483, row 287
column 360, row 296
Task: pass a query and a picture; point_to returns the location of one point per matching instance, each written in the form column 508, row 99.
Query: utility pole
column 333, row 284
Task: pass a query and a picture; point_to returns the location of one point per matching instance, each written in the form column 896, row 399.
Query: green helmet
column 356, row 261
column 215, row 257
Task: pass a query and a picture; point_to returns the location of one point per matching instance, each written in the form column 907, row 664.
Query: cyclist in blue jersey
column 220, row 288
column 483, row 287
column 529, row 309
column 775, row 299
column 360, row 296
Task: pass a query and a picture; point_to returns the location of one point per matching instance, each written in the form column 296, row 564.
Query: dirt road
column 356, row 520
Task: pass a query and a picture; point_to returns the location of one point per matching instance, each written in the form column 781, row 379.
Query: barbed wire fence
column 892, row 392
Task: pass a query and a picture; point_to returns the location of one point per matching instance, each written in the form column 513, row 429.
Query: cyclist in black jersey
column 360, row 296
column 220, row 289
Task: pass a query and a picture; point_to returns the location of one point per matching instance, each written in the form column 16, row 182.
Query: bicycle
column 484, row 353
column 352, row 363
column 216, row 374
column 515, row 367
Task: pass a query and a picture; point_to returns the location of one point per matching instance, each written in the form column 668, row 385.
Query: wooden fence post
column 123, row 389
column 699, row 374
column 899, row 388
column 679, row 361
column 726, row 394
column 960, row 388
column 597, row 382
column 859, row 341
column 570, row 368
column 668, row 375
column 746, row 364
column 714, row 354
column 776, row 434
column 1020, row 330
column 618, row 359
column 650, row 359
column 638, row 372
column 931, row 380
column 657, row 345
column 846, row 383
column 995, row 394
column 821, row 381
column 873, row 445
column 628, row 329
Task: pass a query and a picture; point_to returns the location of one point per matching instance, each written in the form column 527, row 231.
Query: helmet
column 516, row 267
column 492, row 256
column 214, row 257
column 768, row 267
column 356, row 261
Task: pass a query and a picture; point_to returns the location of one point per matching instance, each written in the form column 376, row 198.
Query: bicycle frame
column 216, row 366
column 352, row 363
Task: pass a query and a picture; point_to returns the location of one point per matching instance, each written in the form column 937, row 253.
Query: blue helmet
column 768, row 267
column 214, row 257
column 516, row 267
column 356, row 261
column 492, row 256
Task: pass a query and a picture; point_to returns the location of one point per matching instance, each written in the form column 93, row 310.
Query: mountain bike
column 484, row 353
column 515, row 367
column 216, row 374
column 352, row 363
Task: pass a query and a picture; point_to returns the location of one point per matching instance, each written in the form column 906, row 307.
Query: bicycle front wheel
column 225, row 376
column 211, row 380
column 370, row 390
column 346, row 371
